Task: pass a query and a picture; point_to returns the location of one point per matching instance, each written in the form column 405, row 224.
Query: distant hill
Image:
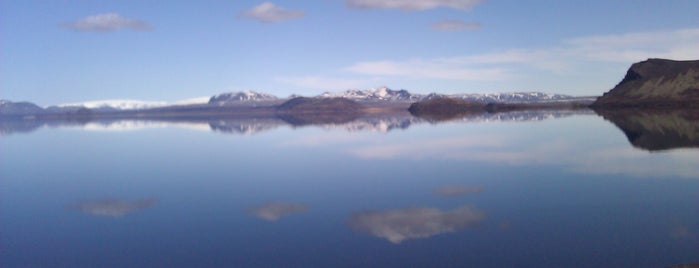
column 327, row 105
column 9, row 108
column 445, row 108
column 656, row 83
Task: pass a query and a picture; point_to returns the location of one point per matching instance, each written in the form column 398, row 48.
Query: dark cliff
column 655, row 83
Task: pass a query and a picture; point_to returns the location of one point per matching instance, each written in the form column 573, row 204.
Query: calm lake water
column 513, row 190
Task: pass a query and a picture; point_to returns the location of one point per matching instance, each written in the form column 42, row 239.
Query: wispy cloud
column 413, row 5
column 455, row 25
column 269, row 13
column 561, row 59
column 630, row 47
column 107, row 22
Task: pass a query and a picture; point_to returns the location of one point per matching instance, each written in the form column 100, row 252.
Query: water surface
column 550, row 189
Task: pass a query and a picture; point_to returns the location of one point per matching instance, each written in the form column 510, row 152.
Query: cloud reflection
column 112, row 207
column 501, row 149
column 412, row 223
column 275, row 211
column 680, row 232
column 457, row 190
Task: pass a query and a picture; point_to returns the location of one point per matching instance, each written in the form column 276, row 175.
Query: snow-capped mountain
column 382, row 94
column 115, row 104
column 233, row 98
column 385, row 94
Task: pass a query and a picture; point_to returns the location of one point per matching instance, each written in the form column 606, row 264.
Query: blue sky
column 69, row 51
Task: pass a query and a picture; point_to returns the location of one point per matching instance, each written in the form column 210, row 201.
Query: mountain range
column 374, row 96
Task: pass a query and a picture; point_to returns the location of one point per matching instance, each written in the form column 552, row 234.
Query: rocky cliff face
column 656, row 83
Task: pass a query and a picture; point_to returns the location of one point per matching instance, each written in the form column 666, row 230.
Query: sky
column 61, row 51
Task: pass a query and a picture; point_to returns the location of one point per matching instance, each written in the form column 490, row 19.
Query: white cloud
column 412, row 5
column 412, row 223
column 107, row 22
column 269, row 12
column 455, row 25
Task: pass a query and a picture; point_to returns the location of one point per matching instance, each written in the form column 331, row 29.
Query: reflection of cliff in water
column 655, row 130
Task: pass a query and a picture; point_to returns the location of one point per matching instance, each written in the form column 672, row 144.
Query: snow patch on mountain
column 192, row 101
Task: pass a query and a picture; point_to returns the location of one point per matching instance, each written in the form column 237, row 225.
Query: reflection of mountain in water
column 411, row 223
column 11, row 126
column 657, row 130
column 113, row 207
column 250, row 125
column 509, row 116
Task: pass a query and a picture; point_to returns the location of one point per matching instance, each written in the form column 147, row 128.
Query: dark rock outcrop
column 655, row 83
column 307, row 111
column 444, row 108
